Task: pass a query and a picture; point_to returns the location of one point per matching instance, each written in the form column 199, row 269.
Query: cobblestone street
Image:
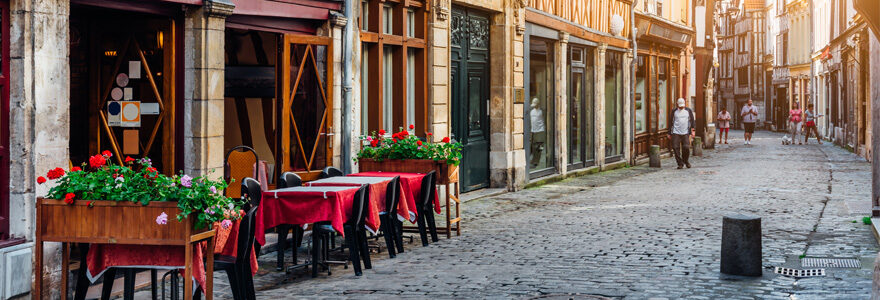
column 635, row 233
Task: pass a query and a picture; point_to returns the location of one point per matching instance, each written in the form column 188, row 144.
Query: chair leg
column 234, row 284
column 128, row 283
column 154, row 276
column 389, row 234
column 351, row 241
column 429, row 215
column 316, row 248
column 297, row 241
column 282, row 243
column 175, row 286
column 362, row 247
column 107, row 286
column 82, row 281
column 247, row 279
column 422, row 231
column 398, row 233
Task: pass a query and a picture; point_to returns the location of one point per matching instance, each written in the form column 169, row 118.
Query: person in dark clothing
column 681, row 132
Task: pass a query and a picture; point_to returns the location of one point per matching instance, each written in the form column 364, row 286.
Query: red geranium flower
column 107, row 153
column 97, row 161
column 411, row 126
column 374, row 143
column 381, row 131
column 55, row 173
column 41, row 180
column 429, row 134
column 74, row 169
column 69, row 198
column 419, row 143
column 446, row 139
column 394, row 140
column 128, row 159
column 152, row 173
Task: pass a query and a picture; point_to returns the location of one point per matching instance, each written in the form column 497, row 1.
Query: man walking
column 750, row 116
column 682, row 120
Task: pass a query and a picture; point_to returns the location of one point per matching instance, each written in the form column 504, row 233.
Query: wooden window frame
column 373, row 37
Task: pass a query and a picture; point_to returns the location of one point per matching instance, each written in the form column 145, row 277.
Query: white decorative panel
column 15, row 270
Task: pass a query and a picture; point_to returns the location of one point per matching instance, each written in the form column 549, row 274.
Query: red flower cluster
column 107, row 153
column 374, row 143
column 445, row 140
column 55, row 173
column 97, row 161
column 74, row 169
column 128, row 159
column 411, row 126
column 69, row 198
column 419, row 143
column 41, row 180
column 400, row 135
column 381, row 132
column 152, row 173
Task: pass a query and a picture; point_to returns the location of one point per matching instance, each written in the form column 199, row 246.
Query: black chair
column 331, row 172
column 288, row 179
column 425, row 208
column 355, row 236
column 238, row 268
column 251, row 192
column 389, row 218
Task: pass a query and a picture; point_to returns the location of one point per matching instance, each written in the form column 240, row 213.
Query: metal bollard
column 741, row 245
column 654, row 154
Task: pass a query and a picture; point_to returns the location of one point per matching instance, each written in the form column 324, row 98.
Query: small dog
column 786, row 140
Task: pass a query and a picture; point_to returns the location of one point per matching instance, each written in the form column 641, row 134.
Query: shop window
column 662, row 92
column 613, row 104
column 641, row 97
column 393, row 66
column 541, row 110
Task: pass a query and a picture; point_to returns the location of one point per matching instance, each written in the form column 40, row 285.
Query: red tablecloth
column 306, row 207
column 411, row 184
column 104, row 256
column 378, row 192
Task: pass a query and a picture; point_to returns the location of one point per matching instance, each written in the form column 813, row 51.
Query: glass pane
column 388, row 19
column 307, row 106
column 575, row 112
column 588, row 106
column 365, row 16
column 641, row 98
column 662, row 90
column 613, row 96
column 410, row 86
column 541, row 87
column 387, row 92
column 365, row 90
column 475, row 103
column 410, row 23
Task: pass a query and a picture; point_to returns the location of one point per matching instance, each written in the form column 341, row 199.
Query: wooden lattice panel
column 595, row 14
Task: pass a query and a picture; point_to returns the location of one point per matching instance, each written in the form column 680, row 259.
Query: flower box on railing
column 446, row 173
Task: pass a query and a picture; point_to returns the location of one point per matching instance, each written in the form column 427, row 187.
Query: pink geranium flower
column 162, row 219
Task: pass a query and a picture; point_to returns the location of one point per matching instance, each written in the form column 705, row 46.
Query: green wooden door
column 470, row 95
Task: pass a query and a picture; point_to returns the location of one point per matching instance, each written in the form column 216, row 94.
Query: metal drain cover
column 817, row 262
column 798, row 273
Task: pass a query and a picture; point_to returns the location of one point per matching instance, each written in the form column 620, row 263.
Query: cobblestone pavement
column 635, row 233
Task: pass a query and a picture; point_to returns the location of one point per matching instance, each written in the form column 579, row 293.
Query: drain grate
column 798, row 273
column 816, row 262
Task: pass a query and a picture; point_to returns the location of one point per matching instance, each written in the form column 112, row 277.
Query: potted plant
column 404, row 152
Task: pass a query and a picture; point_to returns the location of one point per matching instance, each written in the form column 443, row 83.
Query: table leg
column 65, row 269
column 82, row 281
column 448, row 210
column 128, row 284
column 188, row 272
column 209, row 270
column 154, row 276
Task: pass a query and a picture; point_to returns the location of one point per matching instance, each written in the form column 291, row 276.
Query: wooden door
column 306, row 110
column 470, row 95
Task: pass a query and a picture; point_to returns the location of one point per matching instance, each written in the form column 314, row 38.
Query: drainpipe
column 347, row 43
column 632, row 79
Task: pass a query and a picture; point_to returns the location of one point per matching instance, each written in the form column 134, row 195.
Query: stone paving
column 634, row 233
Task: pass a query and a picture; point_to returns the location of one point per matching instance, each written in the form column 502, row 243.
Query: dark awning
column 292, row 16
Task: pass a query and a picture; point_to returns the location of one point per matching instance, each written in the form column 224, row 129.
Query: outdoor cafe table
column 104, row 256
column 307, row 205
column 378, row 191
column 411, row 189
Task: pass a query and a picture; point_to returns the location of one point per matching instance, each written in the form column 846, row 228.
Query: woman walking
column 794, row 123
column 810, row 125
column 723, row 124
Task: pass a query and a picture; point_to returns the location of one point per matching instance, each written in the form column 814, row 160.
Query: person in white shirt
column 749, row 114
column 723, row 125
column 538, row 135
column 682, row 120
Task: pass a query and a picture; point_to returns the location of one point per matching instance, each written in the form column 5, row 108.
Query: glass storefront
column 580, row 107
column 662, row 91
column 540, row 108
column 613, row 105
column 641, row 97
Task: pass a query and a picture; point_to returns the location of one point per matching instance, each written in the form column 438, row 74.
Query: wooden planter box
column 446, row 173
column 112, row 222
